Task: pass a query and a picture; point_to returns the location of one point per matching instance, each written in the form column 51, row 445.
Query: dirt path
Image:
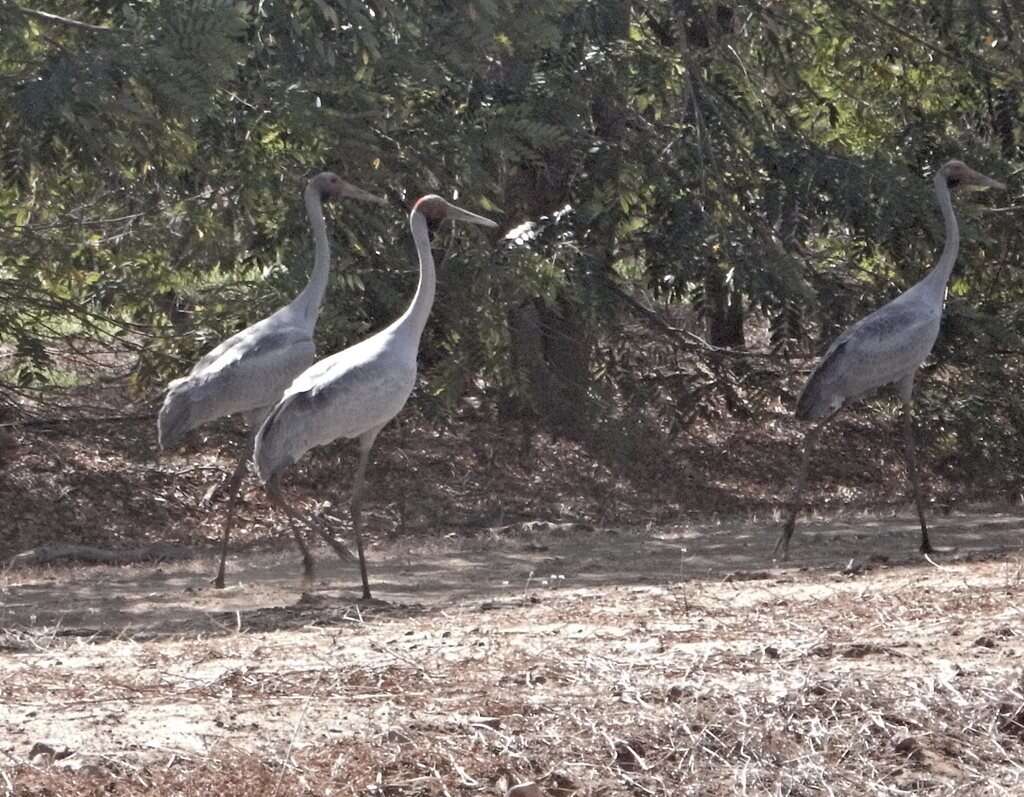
column 595, row 662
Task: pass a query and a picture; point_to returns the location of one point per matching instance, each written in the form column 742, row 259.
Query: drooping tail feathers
column 820, row 396
column 174, row 421
column 270, row 452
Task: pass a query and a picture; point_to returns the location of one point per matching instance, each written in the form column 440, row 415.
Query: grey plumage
column 342, row 396
column 878, row 350
column 885, row 347
column 247, row 373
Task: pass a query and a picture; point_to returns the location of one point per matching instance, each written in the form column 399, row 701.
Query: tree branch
column 59, row 20
column 683, row 337
column 53, row 422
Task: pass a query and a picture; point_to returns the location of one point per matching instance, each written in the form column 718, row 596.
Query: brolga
column 883, row 348
column 248, row 372
column 356, row 392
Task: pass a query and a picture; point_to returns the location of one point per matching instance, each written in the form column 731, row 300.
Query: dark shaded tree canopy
column 761, row 168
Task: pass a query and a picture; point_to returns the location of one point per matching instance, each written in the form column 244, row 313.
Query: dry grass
column 663, row 663
column 897, row 681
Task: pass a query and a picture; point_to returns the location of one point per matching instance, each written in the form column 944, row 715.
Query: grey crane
column 356, row 392
column 883, row 348
column 249, row 371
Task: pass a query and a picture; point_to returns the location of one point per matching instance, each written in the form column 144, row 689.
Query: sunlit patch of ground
column 676, row 660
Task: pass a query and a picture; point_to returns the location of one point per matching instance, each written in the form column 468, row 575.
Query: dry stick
column 418, row 667
column 65, row 21
column 146, row 416
column 295, row 732
column 691, row 341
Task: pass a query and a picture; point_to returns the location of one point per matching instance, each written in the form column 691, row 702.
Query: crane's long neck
column 939, row 276
column 414, row 319
column 307, row 304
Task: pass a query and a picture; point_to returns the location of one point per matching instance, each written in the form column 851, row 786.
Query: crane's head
column 435, row 209
column 958, row 174
column 329, row 186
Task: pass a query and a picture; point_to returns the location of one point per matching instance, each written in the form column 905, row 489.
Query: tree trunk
column 551, row 351
column 723, row 311
column 1004, row 121
column 553, row 343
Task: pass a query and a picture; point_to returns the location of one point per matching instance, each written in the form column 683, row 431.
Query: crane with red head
column 357, row 391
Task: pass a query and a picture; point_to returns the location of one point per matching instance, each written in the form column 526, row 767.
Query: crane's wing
column 879, row 349
column 342, row 396
column 246, row 372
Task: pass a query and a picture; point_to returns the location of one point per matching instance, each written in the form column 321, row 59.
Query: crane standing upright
column 356, row 392
column 886, row 347
column 249, row 371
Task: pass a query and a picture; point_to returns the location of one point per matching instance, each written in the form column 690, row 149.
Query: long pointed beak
column 458, row 214
column 981, row 182
column 352, row 192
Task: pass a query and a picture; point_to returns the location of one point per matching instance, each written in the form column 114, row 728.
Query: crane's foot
column 928, row 549
column 369, row 601
column 218, row 581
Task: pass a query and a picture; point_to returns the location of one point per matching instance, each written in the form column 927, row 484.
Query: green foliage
column 158, row 156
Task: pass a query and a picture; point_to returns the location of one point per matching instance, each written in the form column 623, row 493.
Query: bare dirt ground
column 667, row 660
column 593, row 623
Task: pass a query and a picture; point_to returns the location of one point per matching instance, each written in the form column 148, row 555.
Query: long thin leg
column 308, row 565
column 343, row 553
column 915, row 481
column 218, row 489
column 810, row 440
column 229, row 522
column 365, row 444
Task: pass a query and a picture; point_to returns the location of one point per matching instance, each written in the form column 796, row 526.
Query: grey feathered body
column 249, row 371
column 356, row 391
column 246, row 374
column 345, row 395
column 883, row 348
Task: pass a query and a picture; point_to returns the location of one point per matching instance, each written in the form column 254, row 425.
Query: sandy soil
column 665, row 661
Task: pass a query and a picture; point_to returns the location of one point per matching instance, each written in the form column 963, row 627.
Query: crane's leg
column 365, row 444
column 277, row 497
column 810, row 440
column 220, row 488
column 906, row 388
column 229, row 522
column 343, row 553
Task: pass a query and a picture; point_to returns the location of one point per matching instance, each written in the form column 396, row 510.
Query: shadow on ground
column 488, row 573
